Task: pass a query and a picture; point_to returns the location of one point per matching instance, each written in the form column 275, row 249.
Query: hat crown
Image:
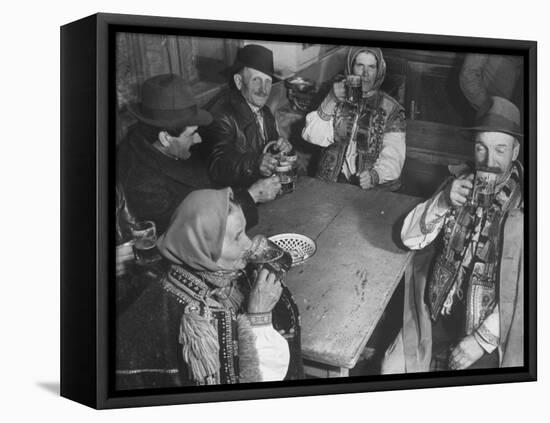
column 505, row 109
column 501, row 116
column 256, row 57
column 167, row 101
column 167, row 92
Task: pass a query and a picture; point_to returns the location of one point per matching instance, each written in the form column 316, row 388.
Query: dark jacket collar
column 191, row 172
column 243, row 112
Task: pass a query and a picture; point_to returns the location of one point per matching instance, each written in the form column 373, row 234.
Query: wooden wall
column 199, row 60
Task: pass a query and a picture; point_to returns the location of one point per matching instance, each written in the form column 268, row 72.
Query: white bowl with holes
column 300, row 247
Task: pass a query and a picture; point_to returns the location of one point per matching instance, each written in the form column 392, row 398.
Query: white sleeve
column 392, row 157
column 423, row 223
column 488, row 333
column 317, row 130
column 273, row 353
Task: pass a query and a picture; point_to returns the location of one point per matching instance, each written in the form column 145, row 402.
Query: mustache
column 260, row 93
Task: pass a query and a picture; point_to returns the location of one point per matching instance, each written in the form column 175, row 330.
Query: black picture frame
column 87, row 193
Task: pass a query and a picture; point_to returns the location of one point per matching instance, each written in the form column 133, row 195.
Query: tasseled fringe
column 200, row 348
column 249, row 361
column 455, row 290
column 446, row 308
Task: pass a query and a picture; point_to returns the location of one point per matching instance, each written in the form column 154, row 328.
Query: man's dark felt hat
column 501, row 116
column 256, row 57
column 168, row 102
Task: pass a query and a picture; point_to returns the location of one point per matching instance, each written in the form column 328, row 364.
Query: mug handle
column 269, row 144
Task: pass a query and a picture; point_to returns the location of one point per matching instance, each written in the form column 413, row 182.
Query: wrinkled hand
column 339, row 90
column 265, row 189
column 458, row 192
column 267, row 164
column 466, row 353
column 124, row 258
column 265, row 293
column 365, row 180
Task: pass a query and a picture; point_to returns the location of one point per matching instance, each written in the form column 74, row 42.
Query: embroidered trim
column 486, row 335
column 187, row 282
column 330, row 102
column 323, row 115
column 226, row 330
column 220, row 278
column 260, row 319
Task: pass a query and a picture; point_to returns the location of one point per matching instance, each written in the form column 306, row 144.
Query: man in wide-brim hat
column 243, row 125
column 154, row 162
column 465, row 309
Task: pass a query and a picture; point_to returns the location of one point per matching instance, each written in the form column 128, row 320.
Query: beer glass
column 483, row 192
column 145, row 242
column 354, row 92
column 286, row 175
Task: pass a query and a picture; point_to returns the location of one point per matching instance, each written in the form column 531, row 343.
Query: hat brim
column 237, row 66
column 492, row 129
column 201, row 118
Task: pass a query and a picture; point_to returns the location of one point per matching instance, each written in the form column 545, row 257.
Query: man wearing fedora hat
column 464, row 298
column 154, row 162
column 243, row 125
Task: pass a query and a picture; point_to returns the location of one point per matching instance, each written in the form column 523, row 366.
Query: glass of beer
column 354, row 90
column 286, row 175
column 145, row 242
column 485, row 180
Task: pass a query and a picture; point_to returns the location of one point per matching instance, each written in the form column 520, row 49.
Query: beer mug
column 286, row 176
column 354, row 91
column 485, row 181
column 145, row 242
column 265, row 254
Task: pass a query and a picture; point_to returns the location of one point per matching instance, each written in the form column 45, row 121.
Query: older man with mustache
column 242, row 127
column 464, row 299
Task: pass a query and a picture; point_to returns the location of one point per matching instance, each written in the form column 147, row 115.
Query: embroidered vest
column 380, row 114
column 222, row 308
column 197, row 297
column 470, row 257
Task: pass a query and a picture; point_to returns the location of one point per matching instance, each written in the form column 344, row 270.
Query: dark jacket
column 233, row 143
column 155, row 184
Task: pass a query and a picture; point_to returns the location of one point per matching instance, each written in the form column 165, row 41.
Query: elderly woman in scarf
column 363, row 141
column 204, row 320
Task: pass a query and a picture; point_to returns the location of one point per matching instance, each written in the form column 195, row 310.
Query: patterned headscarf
column 197, row 230
column 381, row 63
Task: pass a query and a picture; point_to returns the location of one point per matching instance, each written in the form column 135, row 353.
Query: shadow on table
column 376, row 234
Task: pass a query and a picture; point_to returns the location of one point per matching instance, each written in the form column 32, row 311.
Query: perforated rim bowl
column 300, row 247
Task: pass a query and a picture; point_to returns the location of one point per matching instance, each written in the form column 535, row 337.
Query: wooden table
column 344, row 288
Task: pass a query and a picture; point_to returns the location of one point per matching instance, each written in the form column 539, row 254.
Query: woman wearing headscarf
column 363, row 142
column 204, row 321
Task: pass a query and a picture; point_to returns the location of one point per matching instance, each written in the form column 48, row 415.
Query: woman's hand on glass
column 265, row 293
